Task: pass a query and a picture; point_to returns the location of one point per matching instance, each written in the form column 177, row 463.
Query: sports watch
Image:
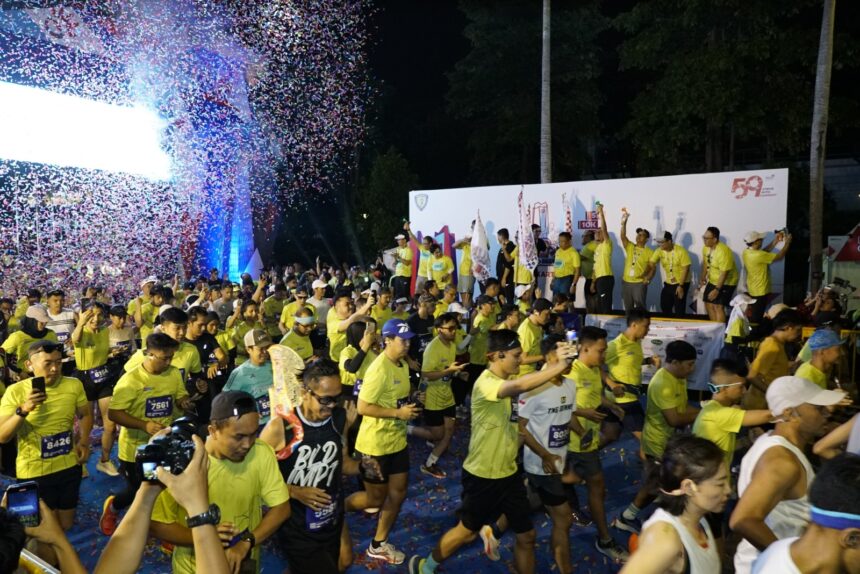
column 211, row 516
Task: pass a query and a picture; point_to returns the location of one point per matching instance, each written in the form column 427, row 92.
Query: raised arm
column 624, row 217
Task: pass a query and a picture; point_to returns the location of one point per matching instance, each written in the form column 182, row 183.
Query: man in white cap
column 403, row 270
column 675, row 262
column 757, row 261
column 145, row 287
column 775, row 474
column 321, row 303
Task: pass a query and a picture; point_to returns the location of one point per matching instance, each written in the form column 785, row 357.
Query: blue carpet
column 427, row 513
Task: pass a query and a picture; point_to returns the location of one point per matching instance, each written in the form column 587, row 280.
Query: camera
column 172, row 451
column 778, row 231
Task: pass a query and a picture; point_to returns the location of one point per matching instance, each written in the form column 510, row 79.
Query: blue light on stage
column 45, row 127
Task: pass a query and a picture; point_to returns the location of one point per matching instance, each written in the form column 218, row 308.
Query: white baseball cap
column 150, row 279
column 399, row 236
column 456, row 307
column 520, row 290
column 319, row 284
column 789, row 392
column 752, row 237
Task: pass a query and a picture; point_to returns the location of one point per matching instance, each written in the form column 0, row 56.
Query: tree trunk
column 545, row 128
column 820, row 108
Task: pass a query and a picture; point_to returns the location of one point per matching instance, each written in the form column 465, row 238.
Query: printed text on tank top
column 316, row 465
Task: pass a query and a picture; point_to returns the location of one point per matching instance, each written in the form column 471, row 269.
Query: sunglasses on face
column 324, row 400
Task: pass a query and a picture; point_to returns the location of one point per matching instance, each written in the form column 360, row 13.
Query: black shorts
column 725, row 296
column 60, row 490
column 485, row 499
column 377, row 469
column 549, row 488
column 437, row 418
column 634, row 417
column 585, row 464
column 100, row 390
column 308, row 557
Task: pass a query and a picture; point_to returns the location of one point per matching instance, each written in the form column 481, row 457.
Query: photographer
column 243, row 477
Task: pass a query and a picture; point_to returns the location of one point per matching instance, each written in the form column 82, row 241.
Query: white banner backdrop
column 685, row 205
column 705, row 336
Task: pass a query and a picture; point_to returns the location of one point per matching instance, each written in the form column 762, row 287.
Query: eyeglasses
column 325, row 401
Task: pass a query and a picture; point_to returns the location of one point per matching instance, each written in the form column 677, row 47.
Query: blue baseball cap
column 397, row 328
column 824, row 339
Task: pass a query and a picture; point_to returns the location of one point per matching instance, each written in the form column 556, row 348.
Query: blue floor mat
column 427, row 513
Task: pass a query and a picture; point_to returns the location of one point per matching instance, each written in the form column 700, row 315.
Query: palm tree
column 545, row 129
column 820, row 107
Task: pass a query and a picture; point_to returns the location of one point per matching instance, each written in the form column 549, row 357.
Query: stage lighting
column 41, row 126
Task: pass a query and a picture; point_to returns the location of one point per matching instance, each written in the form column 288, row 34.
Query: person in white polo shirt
column 775, row 474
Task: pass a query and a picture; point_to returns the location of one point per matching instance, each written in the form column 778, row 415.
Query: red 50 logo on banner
column 752, row 185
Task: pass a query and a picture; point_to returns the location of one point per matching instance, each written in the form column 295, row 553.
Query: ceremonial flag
column 480, row 251
column 528, row 255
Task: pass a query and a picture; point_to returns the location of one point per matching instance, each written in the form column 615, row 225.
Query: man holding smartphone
column 41, row 412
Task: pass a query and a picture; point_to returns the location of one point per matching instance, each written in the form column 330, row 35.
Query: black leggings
column 604, row 287
column 132, row 484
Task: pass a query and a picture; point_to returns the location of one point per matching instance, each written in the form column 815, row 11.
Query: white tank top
column 789, row 517
column 699, row 560
column 776, row 559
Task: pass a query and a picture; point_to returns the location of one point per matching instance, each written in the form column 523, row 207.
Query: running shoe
column 434, row 471
column 107, row 467
column 612, row 550
column 109, row 517
column 491, row 543
column 632, row 526
column 415, row 564
column 386, row 551
column 580, row 518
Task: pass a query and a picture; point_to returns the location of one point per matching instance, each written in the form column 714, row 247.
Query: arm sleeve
column 354, row 364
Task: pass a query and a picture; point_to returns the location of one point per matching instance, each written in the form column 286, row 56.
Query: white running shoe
column 491, row 544
column 386, row 551
column 107, row 467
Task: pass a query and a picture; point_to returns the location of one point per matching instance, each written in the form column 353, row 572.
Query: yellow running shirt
column 478, row 344
column 720, row 259
column 589, row 395
column 186, row 359
column 566, row 262
column 240, row 489
column 18, row 343
column 92, row 349
column 635, row 262
column 664, row 392
column 351, row 379
column 386, row 385
column 810, row 372
column 720, row 425
column 603, row 259
column 147, row 397
column 46, row 437
column 301, row 345
column 437, row 357
column 336, row 339
column 757, row 263
column 673, row 263
column 494, row 441
column 624, row 361
column 530, row 336
column 441, row 270
column 466, row 260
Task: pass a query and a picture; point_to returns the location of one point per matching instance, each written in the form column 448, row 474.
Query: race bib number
column 322, row 518
column 263, row 406
column 357, row 387
column 158, row 407
column 559, row 436
column 56, row 444
column 99, row 375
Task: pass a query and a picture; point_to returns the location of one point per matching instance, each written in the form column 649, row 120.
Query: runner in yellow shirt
column 530, row 333
column 91, row 339
column 384, row 404
column 362, row 348
column 624, row 361
column 826, row 347
column 583, row 458
column 33, row 328
column 438, row 368
column 667, row 410
column 492, row 484
column 174, row 324
column 586, row 258
column 423, row 247
column 382, row 312
column 299, row 337
column 400, row 283
column 243, row 479
column 719, row 276
column 721, row 418
column 757, row 261
column 565, row 267
column 43, row 423
column 465, row 278
column 635, row 280
column 675, row 262
column 603, row 281
column 771, row 359
column 448, row 296
column 147, row 399
column 245, row 318
column 341, row 316
column 272, row 308
column 146, row 312
column 288, row 313
column 441, row 267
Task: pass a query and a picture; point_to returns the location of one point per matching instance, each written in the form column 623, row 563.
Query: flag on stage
column 528, row 254
column 568, row 217
column 480, row 251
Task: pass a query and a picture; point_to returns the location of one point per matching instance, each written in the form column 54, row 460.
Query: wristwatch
column 21, row 413
column 249, row 536
column 211, row 516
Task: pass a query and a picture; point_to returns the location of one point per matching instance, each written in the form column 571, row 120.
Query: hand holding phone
column 22, row 501
column 38, row 384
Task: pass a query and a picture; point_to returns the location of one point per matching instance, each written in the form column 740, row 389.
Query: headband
column 306, row 320
column 833, row 519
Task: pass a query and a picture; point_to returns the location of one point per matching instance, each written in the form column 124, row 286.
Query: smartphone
column 369, row 327
column 38, row 384
column 22, row 500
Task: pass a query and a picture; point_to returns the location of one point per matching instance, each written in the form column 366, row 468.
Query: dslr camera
column 172, row 451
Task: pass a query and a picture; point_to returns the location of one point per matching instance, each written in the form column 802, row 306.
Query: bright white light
column 40, row 126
